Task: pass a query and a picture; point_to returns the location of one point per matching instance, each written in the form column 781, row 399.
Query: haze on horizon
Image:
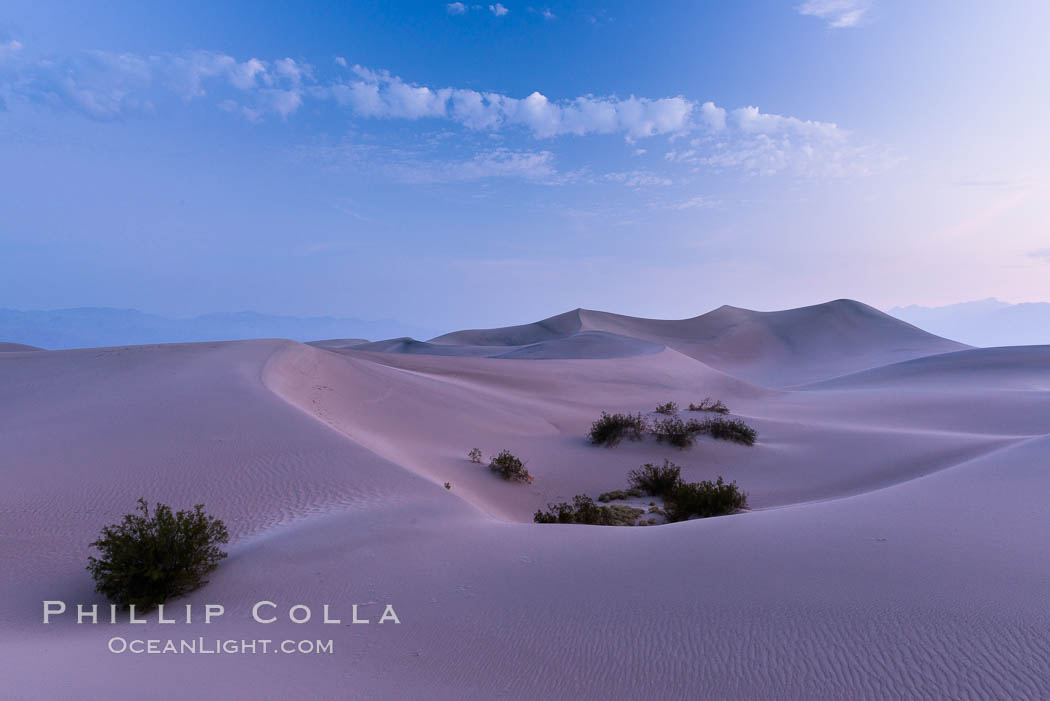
column 452, row 165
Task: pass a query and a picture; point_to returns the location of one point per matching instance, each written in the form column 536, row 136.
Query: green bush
column 670, row 408
column 657, row 481
column 619, row 494
column 610, row 429
column 703, row 499
column 149, row 558
column 709, row 404
column 510, row 467
column 728, row 430
column 583, row 510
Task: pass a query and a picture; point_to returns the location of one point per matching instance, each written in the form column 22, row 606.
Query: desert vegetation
column 149, row 558
column 673, row 430
column 654, row 480
column 583, row 510
column 703, row 499
column 669, row 409
column 619, row 494
column 610, row 429
column 728, row 430
column 708, row 404
column 474, row 455
column 681, row 500
column 685, row 500
column 510, row 467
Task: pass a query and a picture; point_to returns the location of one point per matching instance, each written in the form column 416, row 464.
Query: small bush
column 474, row 455
column 147, row 559
column 583, row 510
column 556, row 513
column 709, row 404
column 675, row 431
column 658, row 481
column 703, row 499
column 448, row 485
column 729, row 430
column 510, row 467
column 670, row 408
column 619, row 494
column 610, row 429
column 621, row 515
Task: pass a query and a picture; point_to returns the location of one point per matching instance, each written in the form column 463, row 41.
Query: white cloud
column 105, row 85
column 638, row 179
column 498, row 9
column 242, row 75
column 8, row 49
column 101, row 85
column 424, row 167
column 295, row 72
column 547, row 14
column 698, row 202
column 837, row 13
column 379, row 94
column 456, row 8
column 713, row 117
column 761, row 143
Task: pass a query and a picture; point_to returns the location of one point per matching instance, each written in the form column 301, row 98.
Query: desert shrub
column 147, row 558
column 654, row 480
column 448, row 485
column 556, row 513
column 728, row 430
column 709, row 404
column 621, row 515
column 670, row 408
column 678, row 433
column 510, row 467
column 703, row 499
column 610, row 429
column 619, row 494
column 583, row 510
column 474, row 455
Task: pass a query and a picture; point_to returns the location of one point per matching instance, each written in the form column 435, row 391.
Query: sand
column 896, row 545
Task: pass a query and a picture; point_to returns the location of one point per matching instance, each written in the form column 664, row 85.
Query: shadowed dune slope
column 338, row 343
column 585, row 345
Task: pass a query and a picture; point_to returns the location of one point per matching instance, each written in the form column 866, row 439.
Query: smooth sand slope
column 896, row 546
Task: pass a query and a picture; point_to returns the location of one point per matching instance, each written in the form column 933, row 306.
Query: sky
column 458, row 165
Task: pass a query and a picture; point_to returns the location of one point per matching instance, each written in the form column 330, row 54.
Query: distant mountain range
column 987, row 322
column 88, row 327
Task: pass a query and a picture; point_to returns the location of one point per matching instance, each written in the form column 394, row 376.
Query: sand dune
column 16, row 348
column 771, row 348
column 895, row 547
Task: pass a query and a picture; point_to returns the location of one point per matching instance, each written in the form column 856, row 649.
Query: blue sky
column 471, row 164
